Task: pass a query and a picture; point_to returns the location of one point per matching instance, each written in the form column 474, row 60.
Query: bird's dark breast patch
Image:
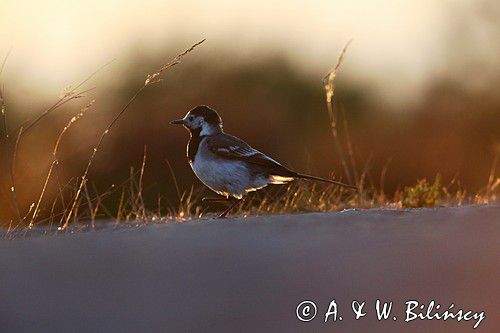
column 194, row 144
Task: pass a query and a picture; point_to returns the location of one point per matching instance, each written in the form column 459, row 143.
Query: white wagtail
column 228, row 165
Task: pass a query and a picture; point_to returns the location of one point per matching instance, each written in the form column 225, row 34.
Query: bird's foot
column 234, row 204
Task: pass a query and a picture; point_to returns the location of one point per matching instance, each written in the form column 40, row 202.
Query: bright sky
column 56, row 41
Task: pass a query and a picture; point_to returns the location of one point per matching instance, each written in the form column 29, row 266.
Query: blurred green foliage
column 422, row 194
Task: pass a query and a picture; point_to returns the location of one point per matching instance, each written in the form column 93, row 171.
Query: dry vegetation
column 79, row 203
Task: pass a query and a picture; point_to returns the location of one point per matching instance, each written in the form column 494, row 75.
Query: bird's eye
column 190, row 118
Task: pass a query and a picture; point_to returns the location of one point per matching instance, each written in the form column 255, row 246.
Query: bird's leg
column 235, row 203
column 215, row 199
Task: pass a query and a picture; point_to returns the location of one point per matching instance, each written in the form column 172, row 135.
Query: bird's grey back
column 229, row 147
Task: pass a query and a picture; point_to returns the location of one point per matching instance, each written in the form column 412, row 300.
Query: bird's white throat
column 209, row 129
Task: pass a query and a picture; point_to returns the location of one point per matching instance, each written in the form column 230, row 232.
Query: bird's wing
column 230, row 147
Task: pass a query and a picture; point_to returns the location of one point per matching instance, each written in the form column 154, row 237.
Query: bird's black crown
column 211, row 116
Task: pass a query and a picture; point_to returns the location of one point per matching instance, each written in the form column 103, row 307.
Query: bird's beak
column 178, row 122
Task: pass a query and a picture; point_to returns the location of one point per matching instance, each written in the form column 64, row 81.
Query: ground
column 249, row 275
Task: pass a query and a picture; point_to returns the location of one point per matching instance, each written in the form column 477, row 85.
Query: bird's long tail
column 300, row 175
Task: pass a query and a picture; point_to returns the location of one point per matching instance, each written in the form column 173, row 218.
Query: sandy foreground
column 249, row 275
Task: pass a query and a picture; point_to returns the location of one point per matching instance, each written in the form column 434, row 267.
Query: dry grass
column 55, row 161
column 329, row 85
column 296, row 197
column 150, row 80
column 72, row 211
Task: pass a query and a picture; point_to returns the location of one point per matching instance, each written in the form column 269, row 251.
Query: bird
column 228, row 165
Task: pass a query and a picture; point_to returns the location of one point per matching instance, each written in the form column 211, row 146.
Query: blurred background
column 418, row 89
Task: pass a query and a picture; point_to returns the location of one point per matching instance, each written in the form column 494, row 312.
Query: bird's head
column 201, row 120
